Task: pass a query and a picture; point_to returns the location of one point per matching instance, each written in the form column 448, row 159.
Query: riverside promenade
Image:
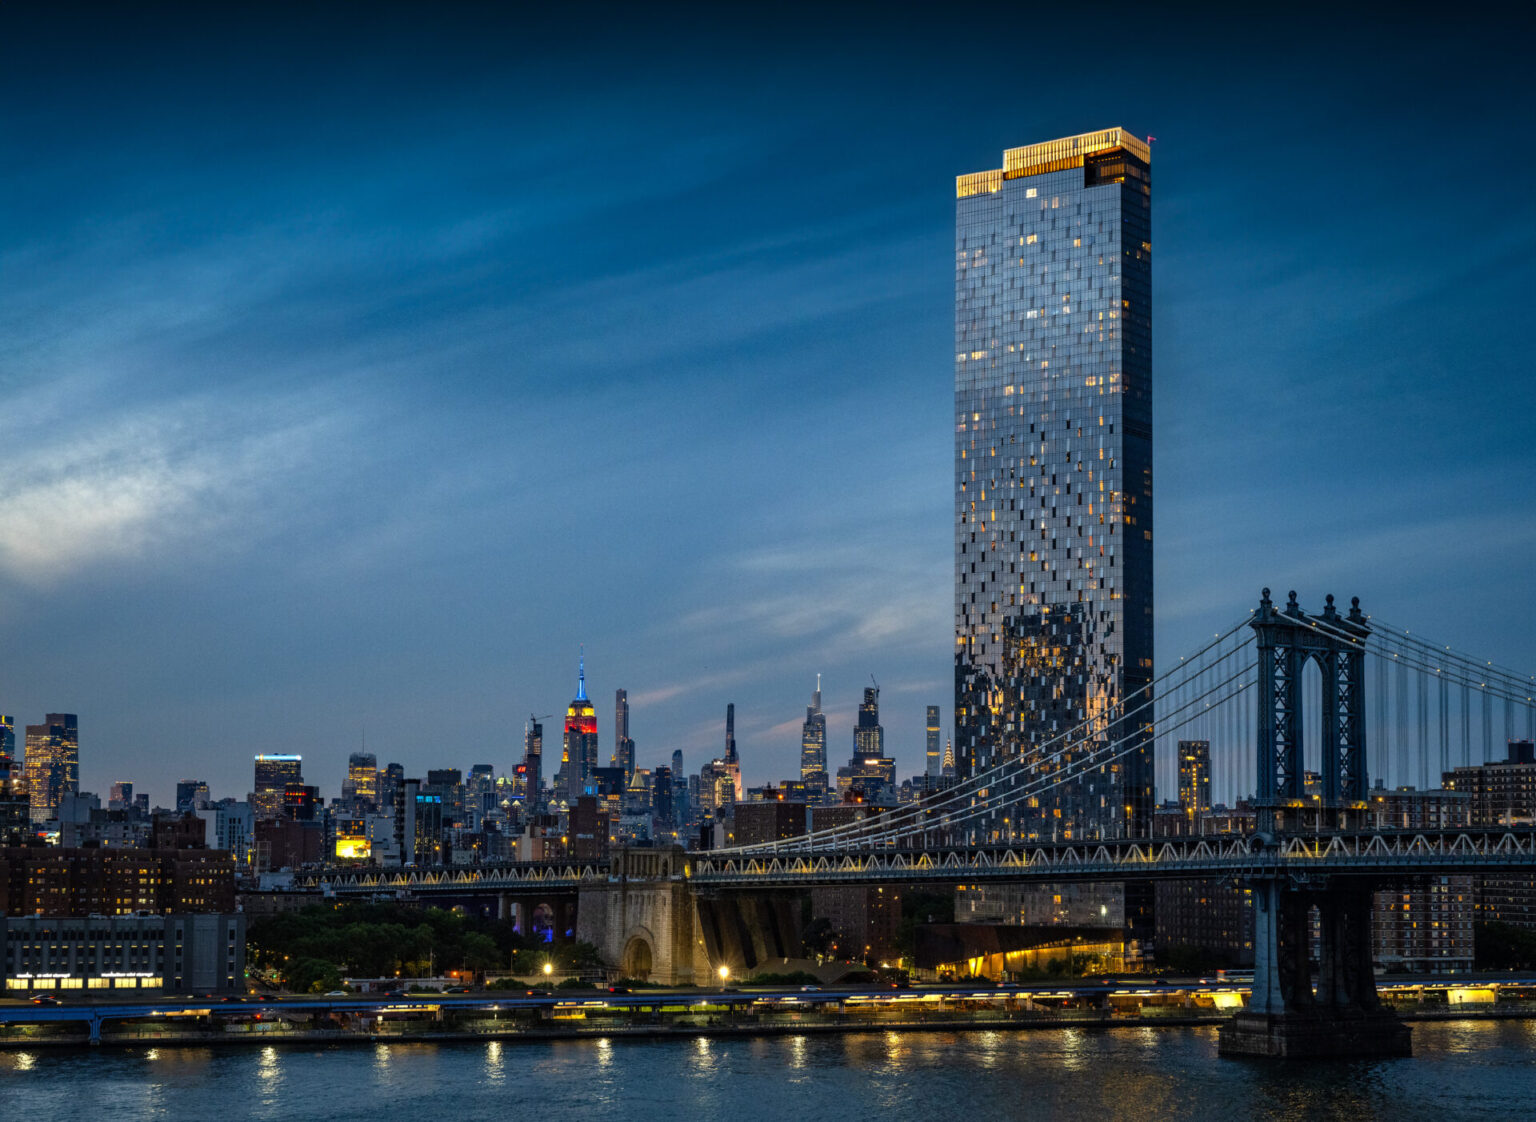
column 573, row 1014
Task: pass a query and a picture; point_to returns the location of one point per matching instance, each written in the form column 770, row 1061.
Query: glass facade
column 1053, row 480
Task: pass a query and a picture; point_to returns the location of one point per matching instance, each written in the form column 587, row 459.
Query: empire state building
column 580, row 756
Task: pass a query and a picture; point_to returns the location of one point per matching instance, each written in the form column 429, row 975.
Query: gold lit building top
column 1052, row 155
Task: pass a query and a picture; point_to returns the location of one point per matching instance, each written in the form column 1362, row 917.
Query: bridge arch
column 639, row 957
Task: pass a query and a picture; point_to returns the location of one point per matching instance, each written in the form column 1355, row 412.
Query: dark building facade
column 1502, row 793
column 757, row 823
column 273, row 774
column 1194, row 776
column 89, row 956
column 55, row 881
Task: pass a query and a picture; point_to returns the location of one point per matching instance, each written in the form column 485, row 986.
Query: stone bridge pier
column 648, row 922
column 1284, row 1017
column 642, row 921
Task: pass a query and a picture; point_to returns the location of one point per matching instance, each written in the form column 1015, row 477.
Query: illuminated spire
column 581, row 675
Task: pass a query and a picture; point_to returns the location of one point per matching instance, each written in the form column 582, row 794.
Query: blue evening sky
column 360, row 362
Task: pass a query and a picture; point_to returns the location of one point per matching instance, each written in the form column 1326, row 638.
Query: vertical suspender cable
column 1466, row 725
column 1424, row 728
column 1445, row 728
column 1487, row 726
column 1380, row 732
column 1400, row 724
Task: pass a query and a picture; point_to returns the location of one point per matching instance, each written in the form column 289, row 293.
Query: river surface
column 1468, row 1069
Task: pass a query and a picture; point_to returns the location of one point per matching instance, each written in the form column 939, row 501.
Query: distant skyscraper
column 623, row 746
column 868, row 735
column 580, row 757
column 391, row 777
column 813, row 747
column 663, row 790
column 934, row 756
column 362, row 785
column 190, row 794
column 949, row 759
column 870, row 770
column 274, row 774
column 731, row 760
column 1194, row 776
column 533, row 766
column 52, row 765
column 121, row 797
column 682, row 783
column 7, row 753
column 1053, row 487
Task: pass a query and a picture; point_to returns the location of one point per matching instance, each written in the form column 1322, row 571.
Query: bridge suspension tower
column 1284, row 1017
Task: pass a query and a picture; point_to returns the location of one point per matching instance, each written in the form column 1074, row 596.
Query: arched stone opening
column 637, row 962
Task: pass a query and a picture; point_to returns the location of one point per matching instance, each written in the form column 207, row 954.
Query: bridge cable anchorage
column 1003, row 770
column 890, row 824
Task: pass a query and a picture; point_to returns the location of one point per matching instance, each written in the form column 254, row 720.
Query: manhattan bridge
column 1283, row 695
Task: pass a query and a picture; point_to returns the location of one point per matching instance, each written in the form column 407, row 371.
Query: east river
column 1466, row 1069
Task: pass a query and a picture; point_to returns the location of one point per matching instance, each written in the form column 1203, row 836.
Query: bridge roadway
column 164, row 1011
column 1383, row 854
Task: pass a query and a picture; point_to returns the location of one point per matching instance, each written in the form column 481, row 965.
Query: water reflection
column 1167, row 1075
column 494, row 1072
column 269, row 1074
column 1075, row 1051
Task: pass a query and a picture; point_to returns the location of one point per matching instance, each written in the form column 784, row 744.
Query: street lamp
column 549, row 968
column 725, row 974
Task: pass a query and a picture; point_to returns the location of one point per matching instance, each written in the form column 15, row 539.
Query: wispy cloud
column 86, row 491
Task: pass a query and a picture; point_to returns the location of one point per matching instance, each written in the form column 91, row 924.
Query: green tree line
column 313, row 949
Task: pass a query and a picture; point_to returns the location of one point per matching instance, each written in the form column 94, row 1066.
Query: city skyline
column 314, row 342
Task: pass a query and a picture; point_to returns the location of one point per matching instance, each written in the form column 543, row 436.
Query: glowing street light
column 549, row 968
column 725, row 974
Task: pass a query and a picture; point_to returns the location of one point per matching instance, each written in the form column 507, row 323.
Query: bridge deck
column 1385, row 853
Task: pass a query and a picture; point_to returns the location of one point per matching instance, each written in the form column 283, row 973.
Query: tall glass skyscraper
column 813, row 748
column 52, row 766
column 1053, row 478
